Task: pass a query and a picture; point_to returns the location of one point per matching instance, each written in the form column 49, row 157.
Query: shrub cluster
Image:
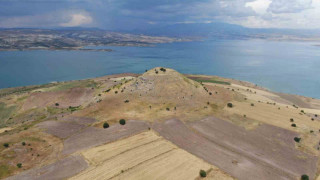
column 230, row 105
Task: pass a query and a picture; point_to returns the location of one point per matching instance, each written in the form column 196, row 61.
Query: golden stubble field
column 143, row 156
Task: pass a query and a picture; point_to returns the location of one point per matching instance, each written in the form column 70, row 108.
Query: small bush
column 168, row 109
column 19, row 165
column 230, row 105
column 252, row 104
column 316, row 115
column 116, row 92
column 6, row 145
column 291, row 120
column 126, row 101
column 57, row 104
column 293, row 125
column 203, row 173
column 304, row 177
column 163, row 69
column 302, row 111
column 122, row 121
column 23, row 143
column 105, row 125
column 296, row 139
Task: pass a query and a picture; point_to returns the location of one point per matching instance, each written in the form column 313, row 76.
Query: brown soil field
column 61, row 169
column 234, row 163
column 61, row 129
column 269, row 144
column 91, row 136
column 78, row 120
column 143, row 156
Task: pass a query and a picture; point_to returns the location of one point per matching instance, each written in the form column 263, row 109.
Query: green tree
column 304, row 177
column 203, row 173
column 105, row 125
column 6, row 145
column 19, row 165
column 122, row 121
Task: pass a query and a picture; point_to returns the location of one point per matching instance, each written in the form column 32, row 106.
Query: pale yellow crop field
column 143, row 156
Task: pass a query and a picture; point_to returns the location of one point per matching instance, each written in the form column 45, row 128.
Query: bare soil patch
column 269, row 144
column 61, row 129
column 92, row 136
column 234, row 163
column 59, row 170
column 79, row 120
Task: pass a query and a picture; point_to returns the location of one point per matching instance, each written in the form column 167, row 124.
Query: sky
column 135, row 14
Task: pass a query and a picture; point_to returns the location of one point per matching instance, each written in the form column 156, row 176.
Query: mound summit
column 158, row 93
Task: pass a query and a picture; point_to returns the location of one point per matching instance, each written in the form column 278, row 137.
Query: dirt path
column 234, row 163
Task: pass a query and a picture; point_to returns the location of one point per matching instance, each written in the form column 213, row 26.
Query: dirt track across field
column 208, row 144
column 59, row 170
column 91, row 136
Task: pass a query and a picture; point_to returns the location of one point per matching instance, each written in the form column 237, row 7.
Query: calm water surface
column 290, row 67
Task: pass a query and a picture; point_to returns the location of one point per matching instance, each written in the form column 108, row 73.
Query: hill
column 172, row 126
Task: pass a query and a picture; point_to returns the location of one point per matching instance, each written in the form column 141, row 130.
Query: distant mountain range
column 219, row 29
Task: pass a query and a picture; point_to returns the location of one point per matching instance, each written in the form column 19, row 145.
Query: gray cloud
column 289, row 6
column 132, row 14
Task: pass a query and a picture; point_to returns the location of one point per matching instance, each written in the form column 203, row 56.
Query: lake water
column 290, row 67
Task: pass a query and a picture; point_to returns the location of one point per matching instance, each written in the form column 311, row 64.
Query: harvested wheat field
column 143, row 156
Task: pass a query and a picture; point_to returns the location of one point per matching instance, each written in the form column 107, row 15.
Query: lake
column 289, row 67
